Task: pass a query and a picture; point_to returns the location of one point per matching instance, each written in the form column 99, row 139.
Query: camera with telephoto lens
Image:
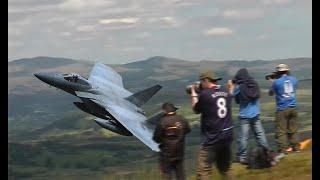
column 273, row 75
column 196, row 85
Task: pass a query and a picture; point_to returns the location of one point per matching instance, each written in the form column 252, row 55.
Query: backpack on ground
column 260, row 157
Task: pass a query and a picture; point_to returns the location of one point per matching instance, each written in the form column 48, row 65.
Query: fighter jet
column 103, row 95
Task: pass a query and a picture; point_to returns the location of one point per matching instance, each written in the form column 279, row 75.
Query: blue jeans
column 245, row 125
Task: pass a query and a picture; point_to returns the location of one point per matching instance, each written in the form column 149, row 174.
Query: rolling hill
column 49, row 138
column 30, row 97
column 32, row 104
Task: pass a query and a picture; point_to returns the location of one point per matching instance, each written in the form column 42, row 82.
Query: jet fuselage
column 73, row 82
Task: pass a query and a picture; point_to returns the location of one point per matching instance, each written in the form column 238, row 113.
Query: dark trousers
column 218, row 153
column 287, row 128
column 169, row 166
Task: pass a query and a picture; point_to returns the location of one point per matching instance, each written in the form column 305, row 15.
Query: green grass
column 293, row 167
column 80, row 149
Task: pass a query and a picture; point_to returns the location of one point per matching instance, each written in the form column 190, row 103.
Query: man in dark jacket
column 214, row 104
column 170, row 134
column 247, row 94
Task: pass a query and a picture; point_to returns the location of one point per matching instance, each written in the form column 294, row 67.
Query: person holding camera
column 170, row 134
column 284, row 88
column 214, row 104
column 246, row 92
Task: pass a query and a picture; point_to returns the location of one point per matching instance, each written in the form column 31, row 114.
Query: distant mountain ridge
column 49, row 138
column 31, row 101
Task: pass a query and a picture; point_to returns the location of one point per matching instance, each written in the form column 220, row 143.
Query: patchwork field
column 50, row 139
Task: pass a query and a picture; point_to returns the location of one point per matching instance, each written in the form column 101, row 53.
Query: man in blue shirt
column 284, row 89
column 214, row 104
column 247, row 94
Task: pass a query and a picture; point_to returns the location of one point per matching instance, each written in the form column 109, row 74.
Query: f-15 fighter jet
column 104, row 96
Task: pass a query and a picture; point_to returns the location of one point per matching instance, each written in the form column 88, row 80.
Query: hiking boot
column 243, row 161
column 293, row 149
column 296, row 150
column 279, row 156
column 285, row 151
column 289, row 150
column 273, row 163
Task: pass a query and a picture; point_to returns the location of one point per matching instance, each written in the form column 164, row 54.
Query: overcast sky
column 121, row 31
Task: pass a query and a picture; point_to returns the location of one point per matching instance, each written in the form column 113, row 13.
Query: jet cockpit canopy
column 75, row 78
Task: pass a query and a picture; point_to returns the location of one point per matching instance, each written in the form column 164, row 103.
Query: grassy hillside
column 49, row 138
column 296, row 166
column 32, row 104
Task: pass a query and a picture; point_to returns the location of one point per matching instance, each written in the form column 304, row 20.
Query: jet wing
column 106, row 80
column 101, row 73
column 131, row 120
column 135, row 123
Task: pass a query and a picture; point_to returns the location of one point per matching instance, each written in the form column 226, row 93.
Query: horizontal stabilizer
column 154, row 119
column 141, row 97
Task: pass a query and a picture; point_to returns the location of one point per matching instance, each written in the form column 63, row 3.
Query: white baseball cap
column 282, row 67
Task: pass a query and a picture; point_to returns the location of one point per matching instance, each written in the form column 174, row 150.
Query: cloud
column 63, row 26
column 124, row 48
column 30, row 6
column 243, row 14
column 15, row 44
column 119, row 21
column 83, row 39
column 144, row 35
column 172, row 1
column 219, row 31
column 55, row 19
column 276, row 2
column 163, row 22
column 86, row 28
column 14, row 31
column 20, row 22
column 65, row 34
column 84, row 4
column 170, row 21
column 236, row 3
column 133, row 49
column 263, row 37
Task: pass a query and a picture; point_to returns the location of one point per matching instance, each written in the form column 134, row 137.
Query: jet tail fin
column 143, row 96
column 154, row 119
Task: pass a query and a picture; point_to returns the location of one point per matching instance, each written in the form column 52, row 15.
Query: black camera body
column 273, row 75
column 196, row 85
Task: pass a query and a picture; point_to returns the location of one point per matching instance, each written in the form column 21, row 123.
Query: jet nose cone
column 45, row 77
column 38, row 75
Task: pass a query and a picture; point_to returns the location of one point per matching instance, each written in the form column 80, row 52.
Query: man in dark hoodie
column 247, row 94
column 170, row 134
